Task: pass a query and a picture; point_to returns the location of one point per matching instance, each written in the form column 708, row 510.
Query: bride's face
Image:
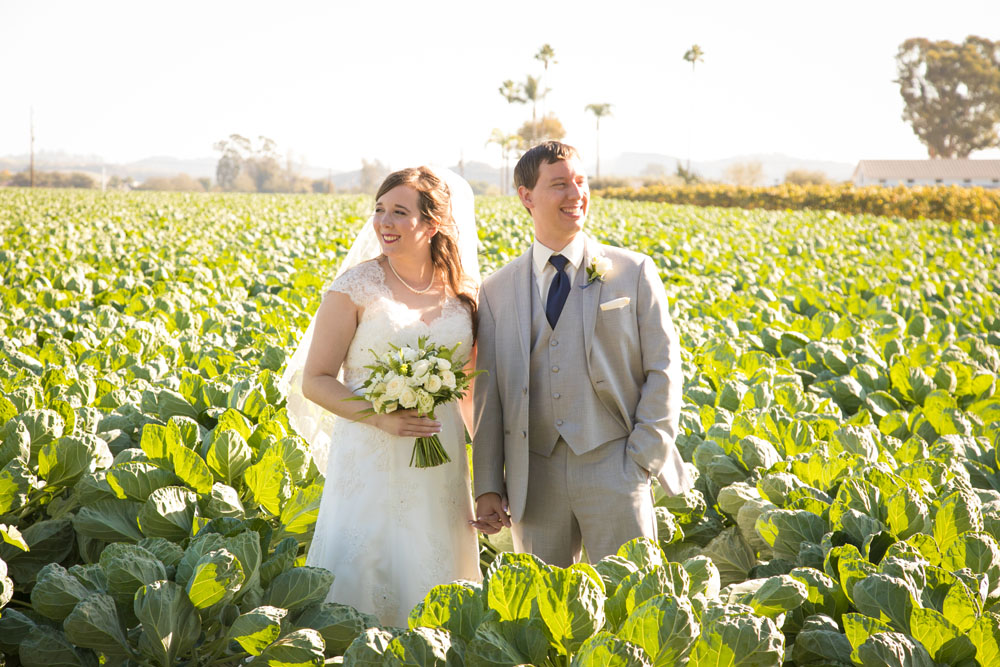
column 400, row 229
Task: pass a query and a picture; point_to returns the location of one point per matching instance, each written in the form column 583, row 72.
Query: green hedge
column 943, row 203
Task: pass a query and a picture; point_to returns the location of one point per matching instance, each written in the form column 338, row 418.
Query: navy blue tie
column 558, row 290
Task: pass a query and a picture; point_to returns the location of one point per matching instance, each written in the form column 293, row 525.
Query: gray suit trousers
column 601, row 498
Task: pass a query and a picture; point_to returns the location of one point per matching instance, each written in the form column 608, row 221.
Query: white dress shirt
column 545, row 272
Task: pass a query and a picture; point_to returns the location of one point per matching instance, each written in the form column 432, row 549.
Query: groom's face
column 559, row 202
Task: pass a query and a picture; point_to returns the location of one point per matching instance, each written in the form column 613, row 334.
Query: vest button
column 555, row 369
column 559, row 422
column 556, row 395
column 524, row 434
column 553, row 343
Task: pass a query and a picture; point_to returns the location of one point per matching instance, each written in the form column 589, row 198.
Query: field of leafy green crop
column 841, row 414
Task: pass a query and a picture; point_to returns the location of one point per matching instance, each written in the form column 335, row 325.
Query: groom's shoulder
column 624, row 256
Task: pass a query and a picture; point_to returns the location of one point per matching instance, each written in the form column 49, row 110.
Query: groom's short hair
column 549, row 152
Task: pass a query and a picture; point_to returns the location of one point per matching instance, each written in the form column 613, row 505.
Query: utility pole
column 32, row 113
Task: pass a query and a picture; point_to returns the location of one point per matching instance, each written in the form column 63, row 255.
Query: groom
column 581, row 398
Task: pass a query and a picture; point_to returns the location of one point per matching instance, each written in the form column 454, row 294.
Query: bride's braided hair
column 434, row 204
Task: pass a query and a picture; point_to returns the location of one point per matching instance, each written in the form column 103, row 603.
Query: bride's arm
column 336, row 324
column 465, row 405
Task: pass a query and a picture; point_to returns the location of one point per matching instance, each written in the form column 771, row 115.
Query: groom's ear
column 525, row 195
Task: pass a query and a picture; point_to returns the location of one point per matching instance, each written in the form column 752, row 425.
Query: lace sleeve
column 361, row 283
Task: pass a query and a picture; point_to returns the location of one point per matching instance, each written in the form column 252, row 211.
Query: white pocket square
column 614, row 304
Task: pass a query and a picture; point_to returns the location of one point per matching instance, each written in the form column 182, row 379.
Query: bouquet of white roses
column 420, row 378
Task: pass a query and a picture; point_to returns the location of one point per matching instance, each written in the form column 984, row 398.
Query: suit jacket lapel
column 522, row 302
column 591, row 295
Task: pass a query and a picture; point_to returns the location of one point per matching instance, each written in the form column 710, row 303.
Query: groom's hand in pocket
column 491, row 514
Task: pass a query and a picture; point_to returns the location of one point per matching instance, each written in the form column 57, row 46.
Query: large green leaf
column 572, row 606
column 170, row 623
column 94, row 624
column 664, row 626
column 513, row 591
column 169, row 512
column 56, row 592
column 109, row 520
column 298, row 516
column 217, row 577
column 128, row 567
column 606, row 650
column 298, row 588
column 340, row 624
column 742, row 641
column 136, row 480
column 48, row 647
column 457, row 608
column 228, row 456
column 270, row 483
column 419, row 646
column 256, row 629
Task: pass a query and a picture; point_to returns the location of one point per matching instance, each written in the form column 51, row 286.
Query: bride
column 389, row 532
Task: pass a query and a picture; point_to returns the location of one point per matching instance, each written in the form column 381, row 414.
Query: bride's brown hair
column 434, row 205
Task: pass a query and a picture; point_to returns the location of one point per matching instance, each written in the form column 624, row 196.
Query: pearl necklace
column 406, row 284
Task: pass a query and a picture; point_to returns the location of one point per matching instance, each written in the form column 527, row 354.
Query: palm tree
column 547, row 56
column 533, row 92
column 599, row 111
column 511, row 92
column 693, row 56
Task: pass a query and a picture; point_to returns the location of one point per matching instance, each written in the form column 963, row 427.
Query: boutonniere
column 597, row 269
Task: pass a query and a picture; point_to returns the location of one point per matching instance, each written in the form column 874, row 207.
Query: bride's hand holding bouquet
column 417, row 380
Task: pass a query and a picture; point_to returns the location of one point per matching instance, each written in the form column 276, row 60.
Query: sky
column 339, row 81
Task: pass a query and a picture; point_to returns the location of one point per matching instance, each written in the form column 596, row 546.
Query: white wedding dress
column 389, row 532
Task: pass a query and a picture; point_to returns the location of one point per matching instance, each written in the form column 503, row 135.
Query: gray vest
column 563, row 402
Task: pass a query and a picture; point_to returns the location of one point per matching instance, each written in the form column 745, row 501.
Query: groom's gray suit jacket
column 628, row 359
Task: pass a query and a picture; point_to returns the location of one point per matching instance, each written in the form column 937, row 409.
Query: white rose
column 377, row 405
column 408, row 354
column 414, row 382
column 394, row 387
column 425, row 403
column 443, row 364
column 420, row 368
column 448, row 379
column 433, row 383
column 602, row 265
column 378, row 388
column 408, row 398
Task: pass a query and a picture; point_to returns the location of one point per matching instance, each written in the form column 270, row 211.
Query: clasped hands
column 491, row 514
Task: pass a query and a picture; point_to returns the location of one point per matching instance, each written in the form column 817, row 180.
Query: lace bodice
column 385, row 320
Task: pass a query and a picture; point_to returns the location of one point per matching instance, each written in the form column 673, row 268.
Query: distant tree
column 53, row 179
column 748, row 174
column 599, row 111
column 322, row 186
column 686, row 174
column 951, row 94
column 509, row 145
column 178, row 183
column 372, row 175
column 236, row 150
column 206, row 183
column 535, row 132
column 5, row 176
column 806, row 177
